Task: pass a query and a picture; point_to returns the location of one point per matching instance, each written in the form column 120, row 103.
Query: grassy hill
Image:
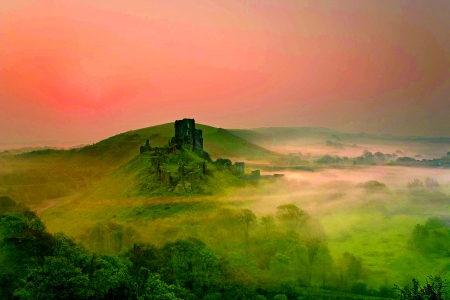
column 218, row 142
column 137, row 179
column 50, row 173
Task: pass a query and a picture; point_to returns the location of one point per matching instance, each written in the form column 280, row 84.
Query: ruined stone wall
column 198, row 140
column 256, row 174
column 164, row 176
column 239, row 168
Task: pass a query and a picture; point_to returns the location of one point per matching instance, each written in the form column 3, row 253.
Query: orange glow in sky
column 86, row 70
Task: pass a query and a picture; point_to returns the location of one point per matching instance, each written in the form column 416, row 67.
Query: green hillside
column 218, row 142
column 223, row 143
column 137, row 178
column 49, row 173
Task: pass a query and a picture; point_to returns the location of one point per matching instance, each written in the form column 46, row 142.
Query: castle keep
column 186, row 135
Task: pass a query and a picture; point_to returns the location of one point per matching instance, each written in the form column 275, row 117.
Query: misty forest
column 189, row 211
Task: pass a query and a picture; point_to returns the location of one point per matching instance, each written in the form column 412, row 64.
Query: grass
column 382, row 242
column 152, row 218
column 137, row 178
column 225, row 144
column 217, row 142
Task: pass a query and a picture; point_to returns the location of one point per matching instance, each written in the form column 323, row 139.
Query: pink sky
column 86, row 70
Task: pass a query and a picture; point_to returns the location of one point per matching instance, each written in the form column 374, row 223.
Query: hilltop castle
column 185, row 170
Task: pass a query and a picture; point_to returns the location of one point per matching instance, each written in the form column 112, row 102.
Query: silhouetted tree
column 432, row 290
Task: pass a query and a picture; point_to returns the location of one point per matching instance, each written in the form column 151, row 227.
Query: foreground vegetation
column 39, row 265
column 221, row 252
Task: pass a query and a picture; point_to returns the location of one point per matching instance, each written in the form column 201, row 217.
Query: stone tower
column 186, row 135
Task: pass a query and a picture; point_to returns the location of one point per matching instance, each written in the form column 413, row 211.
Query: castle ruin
column 182, row 174
column 186, row 135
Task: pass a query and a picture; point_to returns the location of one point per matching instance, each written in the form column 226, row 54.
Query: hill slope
column 218, row 143
column 50, row 173
column 137, row 178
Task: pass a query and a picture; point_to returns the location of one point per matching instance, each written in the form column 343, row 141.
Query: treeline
column 427, row 192
column 270, row 258
column 367, row 158
column 433, row 237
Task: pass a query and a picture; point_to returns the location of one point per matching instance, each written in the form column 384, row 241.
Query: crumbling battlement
column 225, row 164
column 239, row 169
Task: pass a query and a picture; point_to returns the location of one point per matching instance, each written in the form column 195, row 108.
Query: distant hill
column 278, row 136
column 282, row 135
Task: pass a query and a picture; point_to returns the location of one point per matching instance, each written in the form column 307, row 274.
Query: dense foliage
column 434, row 289
column 274, row 261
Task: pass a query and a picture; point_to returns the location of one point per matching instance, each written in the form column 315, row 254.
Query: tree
column 247, row 218
column 420, row 237
column 267, row 223
column 23, row 242
column 416, row 183
column 156, row 289
column 433, row 290
column 6, row 204
column 291, row 213
column 56, row 279
column 191, row 264
column 112, row 280
column 145, row 259
column 109, row 237
column 431, row 183
column 312, row 245
column 351, row 269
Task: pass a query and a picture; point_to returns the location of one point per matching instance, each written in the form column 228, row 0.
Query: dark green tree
column 432, row 290
column 56, row 279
